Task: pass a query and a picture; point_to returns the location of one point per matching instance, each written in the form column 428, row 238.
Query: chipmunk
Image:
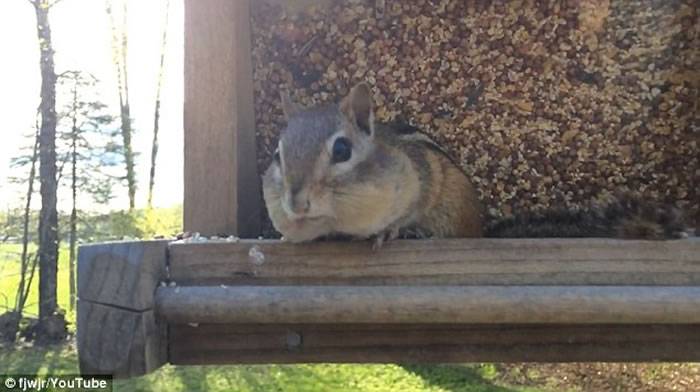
column 337, row 171
column 620, row 216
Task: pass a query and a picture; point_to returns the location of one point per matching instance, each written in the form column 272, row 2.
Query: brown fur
column 449, row 206
column 621, row 216
column 447, row 215
column 397, row 181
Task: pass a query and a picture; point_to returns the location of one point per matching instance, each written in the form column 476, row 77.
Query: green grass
column 9, row 279
column 324, row 377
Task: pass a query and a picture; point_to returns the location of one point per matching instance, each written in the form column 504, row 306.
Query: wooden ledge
column 143, row 304
column 588, row 261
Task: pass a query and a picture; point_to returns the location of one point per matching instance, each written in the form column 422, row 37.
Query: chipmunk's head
column 318, row 153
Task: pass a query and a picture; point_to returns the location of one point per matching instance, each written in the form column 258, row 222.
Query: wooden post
column 222, row 187
column 118, row 333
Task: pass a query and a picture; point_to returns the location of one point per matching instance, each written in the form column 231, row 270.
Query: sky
column 82, row 41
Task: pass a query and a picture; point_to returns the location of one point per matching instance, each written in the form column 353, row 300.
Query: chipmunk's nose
column 303, row 206
column 298, row 202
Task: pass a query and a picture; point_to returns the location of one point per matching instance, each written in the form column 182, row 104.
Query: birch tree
column 120, row 46
column 156, row 114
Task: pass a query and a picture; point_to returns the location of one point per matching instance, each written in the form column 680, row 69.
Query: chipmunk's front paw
column 385, row 236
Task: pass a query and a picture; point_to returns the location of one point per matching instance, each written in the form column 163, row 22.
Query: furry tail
column 622, row 217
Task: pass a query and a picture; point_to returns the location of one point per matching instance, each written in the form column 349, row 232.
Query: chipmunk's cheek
column 321, row 205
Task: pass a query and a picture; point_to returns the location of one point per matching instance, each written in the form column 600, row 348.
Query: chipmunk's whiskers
column 350, row 199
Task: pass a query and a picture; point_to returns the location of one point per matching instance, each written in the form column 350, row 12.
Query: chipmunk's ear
column 289, row 107
column 358, row 107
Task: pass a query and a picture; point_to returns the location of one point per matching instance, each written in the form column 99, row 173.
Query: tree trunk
column 48, row 217
column 156, row 115
column 30, row 279
column 24, row 261
column 74, row 210
column 119, row 57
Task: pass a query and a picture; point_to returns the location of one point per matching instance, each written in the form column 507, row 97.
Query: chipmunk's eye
column 342, row 150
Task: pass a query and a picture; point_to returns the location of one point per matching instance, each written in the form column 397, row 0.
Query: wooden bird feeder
column 146, row 303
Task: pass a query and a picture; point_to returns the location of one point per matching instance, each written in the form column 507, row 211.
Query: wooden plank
column 117, row 330
column 222, row 188
column 430, row 304
column 367, row 343
column 439, row 262
column 119, row 342
column 123, row 274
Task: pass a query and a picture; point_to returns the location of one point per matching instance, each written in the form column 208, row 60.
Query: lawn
column 9, row 279
column 598, row 377
column 325, row 377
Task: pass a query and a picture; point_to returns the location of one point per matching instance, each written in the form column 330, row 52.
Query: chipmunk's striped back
column 448, row 205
